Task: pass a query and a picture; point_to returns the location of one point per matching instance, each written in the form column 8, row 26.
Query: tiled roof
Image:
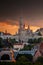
column 18, row 44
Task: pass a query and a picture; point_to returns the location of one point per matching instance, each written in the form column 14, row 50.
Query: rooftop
column 18, row 44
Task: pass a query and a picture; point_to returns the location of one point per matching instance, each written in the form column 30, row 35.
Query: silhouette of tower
column 21, row 23
column 21, row 27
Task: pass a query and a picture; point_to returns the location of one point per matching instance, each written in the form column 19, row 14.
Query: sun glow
column 33, row 28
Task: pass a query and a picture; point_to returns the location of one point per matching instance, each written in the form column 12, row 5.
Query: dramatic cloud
column 30, row 10
column 13, row 9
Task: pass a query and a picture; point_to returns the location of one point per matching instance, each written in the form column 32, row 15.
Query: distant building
column 18, row 46
column 24, row 34
column 7, row 55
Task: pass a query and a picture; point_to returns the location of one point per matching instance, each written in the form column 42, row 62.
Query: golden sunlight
column 12, row 29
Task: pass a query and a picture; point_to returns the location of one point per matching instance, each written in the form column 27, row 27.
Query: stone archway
column 5, row 57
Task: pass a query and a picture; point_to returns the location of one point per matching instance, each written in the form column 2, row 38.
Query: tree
column 8, row 43
column 24, row 57
column 1, row 42
column 35, row 40
column 13, row 41
column 40, row 40
column 30, row 40
column 40, row 59
column 30, row 57
column 39, row 34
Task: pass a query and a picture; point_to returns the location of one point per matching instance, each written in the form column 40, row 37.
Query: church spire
column 21, row 23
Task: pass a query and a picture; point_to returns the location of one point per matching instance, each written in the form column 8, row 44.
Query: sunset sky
column 11, row 10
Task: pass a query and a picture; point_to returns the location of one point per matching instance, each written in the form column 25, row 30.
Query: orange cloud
column 13, row 28
column 10, row 28
column 34, row 28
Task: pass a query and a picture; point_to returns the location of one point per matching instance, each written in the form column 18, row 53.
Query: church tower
column 21, row 23
column 21, row 28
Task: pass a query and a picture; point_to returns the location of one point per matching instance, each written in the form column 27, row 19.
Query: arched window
column 5, row 57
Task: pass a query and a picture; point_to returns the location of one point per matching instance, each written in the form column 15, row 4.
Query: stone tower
column 21, row 23
column 21, row 28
